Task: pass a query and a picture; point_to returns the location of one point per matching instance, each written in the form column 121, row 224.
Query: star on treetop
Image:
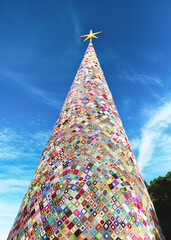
column 90, row 35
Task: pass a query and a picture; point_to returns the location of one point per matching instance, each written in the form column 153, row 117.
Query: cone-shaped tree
column 87, row 184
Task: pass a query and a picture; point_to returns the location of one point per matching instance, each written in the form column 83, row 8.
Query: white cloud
column 135, row 143
column 7, row 135
column 41, row 137
column 45, row 96
column 76, row 22
column 14, row 145
column 142, row 78
column 5, row 226
column 108, row 54
column 21, row 80
column 13, row 185
column 8, row 138
column 17, row 170
column 7, row 215
column 8, row 210
column 20, row 152
column 154, row 143
column 153, row 55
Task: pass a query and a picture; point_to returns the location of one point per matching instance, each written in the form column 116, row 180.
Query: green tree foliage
column 160, row 193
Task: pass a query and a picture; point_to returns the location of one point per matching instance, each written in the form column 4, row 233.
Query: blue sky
column 40, row 52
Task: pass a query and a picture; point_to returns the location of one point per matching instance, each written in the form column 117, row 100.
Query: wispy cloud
column 7, row 216
column 135, row 143
column 18, row 169
column 107, row 55
column 7, row 135
column 154, row 145
column 14, row 145
column 126, row 107
column 13, row 185
column 153, row 55
column 142, row 78
column 21, row 80
column 76, row 22
column 20, row 152
column 45, row 96
column 8, row 210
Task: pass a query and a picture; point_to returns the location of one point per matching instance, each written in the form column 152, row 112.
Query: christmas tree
column 87, row 184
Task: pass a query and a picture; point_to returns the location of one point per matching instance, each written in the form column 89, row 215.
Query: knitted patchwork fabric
column 87, row 184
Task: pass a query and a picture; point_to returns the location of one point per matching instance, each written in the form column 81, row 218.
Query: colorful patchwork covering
column 87, row 184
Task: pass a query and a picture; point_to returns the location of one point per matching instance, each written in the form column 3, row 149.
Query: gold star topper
column 90, row 35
